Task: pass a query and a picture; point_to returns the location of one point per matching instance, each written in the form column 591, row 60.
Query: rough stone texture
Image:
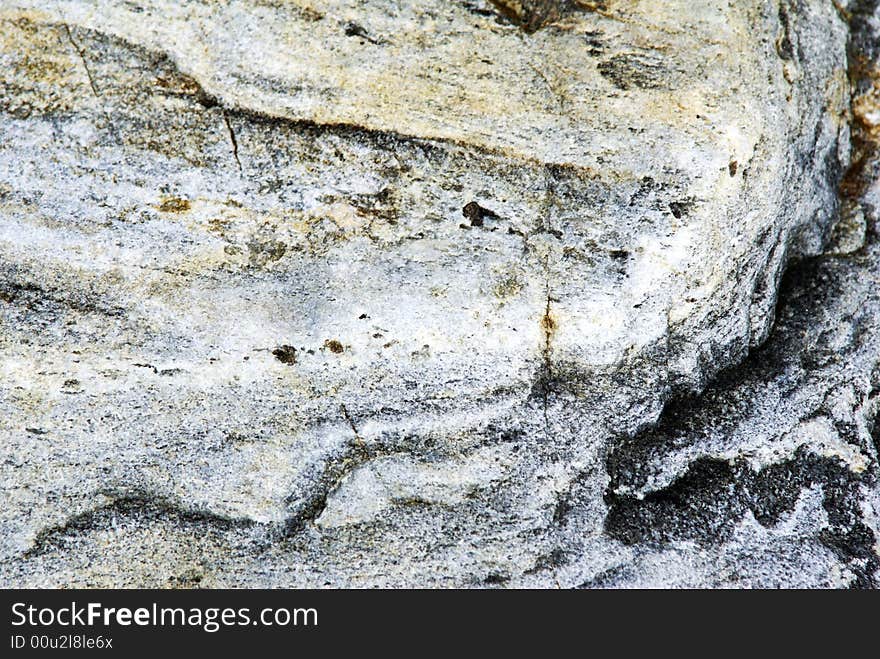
column 426, row 293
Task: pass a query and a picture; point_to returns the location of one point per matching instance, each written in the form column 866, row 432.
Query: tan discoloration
column 334, row 346
column 174, row 205
column 548, row 323
column 866, row 107
column 43, row 72
column 508, row 286
column 488, row 102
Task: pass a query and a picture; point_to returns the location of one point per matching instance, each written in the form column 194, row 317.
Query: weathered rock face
column 359, row 293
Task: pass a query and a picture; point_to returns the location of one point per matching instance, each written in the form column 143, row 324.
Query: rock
column 347, row 293
column 776, row 463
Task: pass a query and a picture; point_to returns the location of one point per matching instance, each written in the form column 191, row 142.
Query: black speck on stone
column 496, row 579
column 476, row 214
column 679, row 208
column 285, row 354
column 355, row 30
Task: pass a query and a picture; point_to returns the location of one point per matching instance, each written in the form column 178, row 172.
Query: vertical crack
column 548, row 325
column 547, row 321
column 357, row 436
column 82, row 57
column 234, row 141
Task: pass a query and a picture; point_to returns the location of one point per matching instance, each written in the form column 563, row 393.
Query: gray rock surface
column 438, row 293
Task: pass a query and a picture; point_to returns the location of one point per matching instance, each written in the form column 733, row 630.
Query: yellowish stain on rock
column 174, row 205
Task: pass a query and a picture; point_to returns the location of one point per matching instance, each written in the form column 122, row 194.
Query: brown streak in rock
column 864, row 77
column 532, row 15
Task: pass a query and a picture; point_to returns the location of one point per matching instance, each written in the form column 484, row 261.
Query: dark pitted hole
column 680, row 208
column 285, row 354
column 476, row 214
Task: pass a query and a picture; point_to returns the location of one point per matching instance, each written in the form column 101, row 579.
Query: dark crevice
column 784, row 46
column 696, row 506
column 874, row 399
column 707, row 502
column 17, row 290
column 355, row 454
column 709, row 499
column 138, row 506
column 232, row 139
column 545, row 381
